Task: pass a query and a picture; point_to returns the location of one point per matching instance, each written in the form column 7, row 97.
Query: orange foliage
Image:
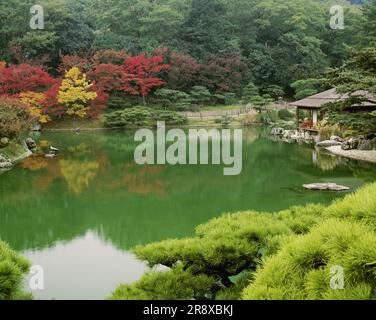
column 34, row 163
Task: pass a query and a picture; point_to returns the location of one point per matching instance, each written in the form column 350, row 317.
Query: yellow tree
column 74, row 93
column 34, row 102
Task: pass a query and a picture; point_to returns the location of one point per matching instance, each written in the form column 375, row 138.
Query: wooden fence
column 215, row 114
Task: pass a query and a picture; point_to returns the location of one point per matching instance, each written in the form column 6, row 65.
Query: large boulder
column 36, row 126
column 3, row 159
column 5, row 163
column 4, row 142
column 278, row 131
column 32, row 146
column 351, row 144
column 290, row 134
column 367, row 144
column 328, row 143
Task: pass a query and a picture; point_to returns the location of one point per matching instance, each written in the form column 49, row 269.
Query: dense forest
column 91, row 55
column 275, row 42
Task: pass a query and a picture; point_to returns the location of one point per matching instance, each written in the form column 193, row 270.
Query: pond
column 79, row 215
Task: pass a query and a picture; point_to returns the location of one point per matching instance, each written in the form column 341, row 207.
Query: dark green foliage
column 285, row 114
column 169, row 117
column 137, row 116
column 226, row 98
column 267, row 116
column 273, row 91
column 206, row 30
column 278, row 42
column 122, row 102
column 251, row 94
column 250, row 91
column 200, row 95
column 369, row 24
column 173, row 99
column 142, row 116
column 12, row 270
column 308, row 87
column 355, row 77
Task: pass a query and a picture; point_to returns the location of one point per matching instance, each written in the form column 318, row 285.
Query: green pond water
column 79, row 214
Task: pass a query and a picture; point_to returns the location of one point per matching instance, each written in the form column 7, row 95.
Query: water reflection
column 69, row 274
column 94, row 187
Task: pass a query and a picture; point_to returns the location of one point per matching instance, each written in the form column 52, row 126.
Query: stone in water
column 326, row 186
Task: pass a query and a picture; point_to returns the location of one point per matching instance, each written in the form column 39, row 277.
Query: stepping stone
column 325, row 186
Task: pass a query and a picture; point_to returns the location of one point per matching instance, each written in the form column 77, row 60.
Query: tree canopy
column 278, row 41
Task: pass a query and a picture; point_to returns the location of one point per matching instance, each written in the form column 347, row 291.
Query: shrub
column 175, row 284
column 223, row 249
column 169, row 117
column 224, row 120
column 249, row 119
column 274, row 91
column 200, row 95
column 288, row 255
column 142, row 116
column 123, row 101
column 267, row 116
column 14, row 118
column 285, row 115
column 359, row 206
column 326, row 130
column 137, row 116
column 173, row 99
column 302, row 269
column 12, row 269
column 227, row 98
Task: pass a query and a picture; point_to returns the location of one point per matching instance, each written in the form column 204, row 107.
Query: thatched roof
column 318, row 100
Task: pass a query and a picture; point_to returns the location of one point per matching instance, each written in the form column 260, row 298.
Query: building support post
column 297, row 118
column 314, row 117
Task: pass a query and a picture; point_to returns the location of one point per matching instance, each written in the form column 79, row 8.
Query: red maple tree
column 107, row 77
column 23, row 77
column 141, row 75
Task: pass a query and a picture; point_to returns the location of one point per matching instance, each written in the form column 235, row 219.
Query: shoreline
column 16, row 159
column 362, row 155
column 214, row 125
